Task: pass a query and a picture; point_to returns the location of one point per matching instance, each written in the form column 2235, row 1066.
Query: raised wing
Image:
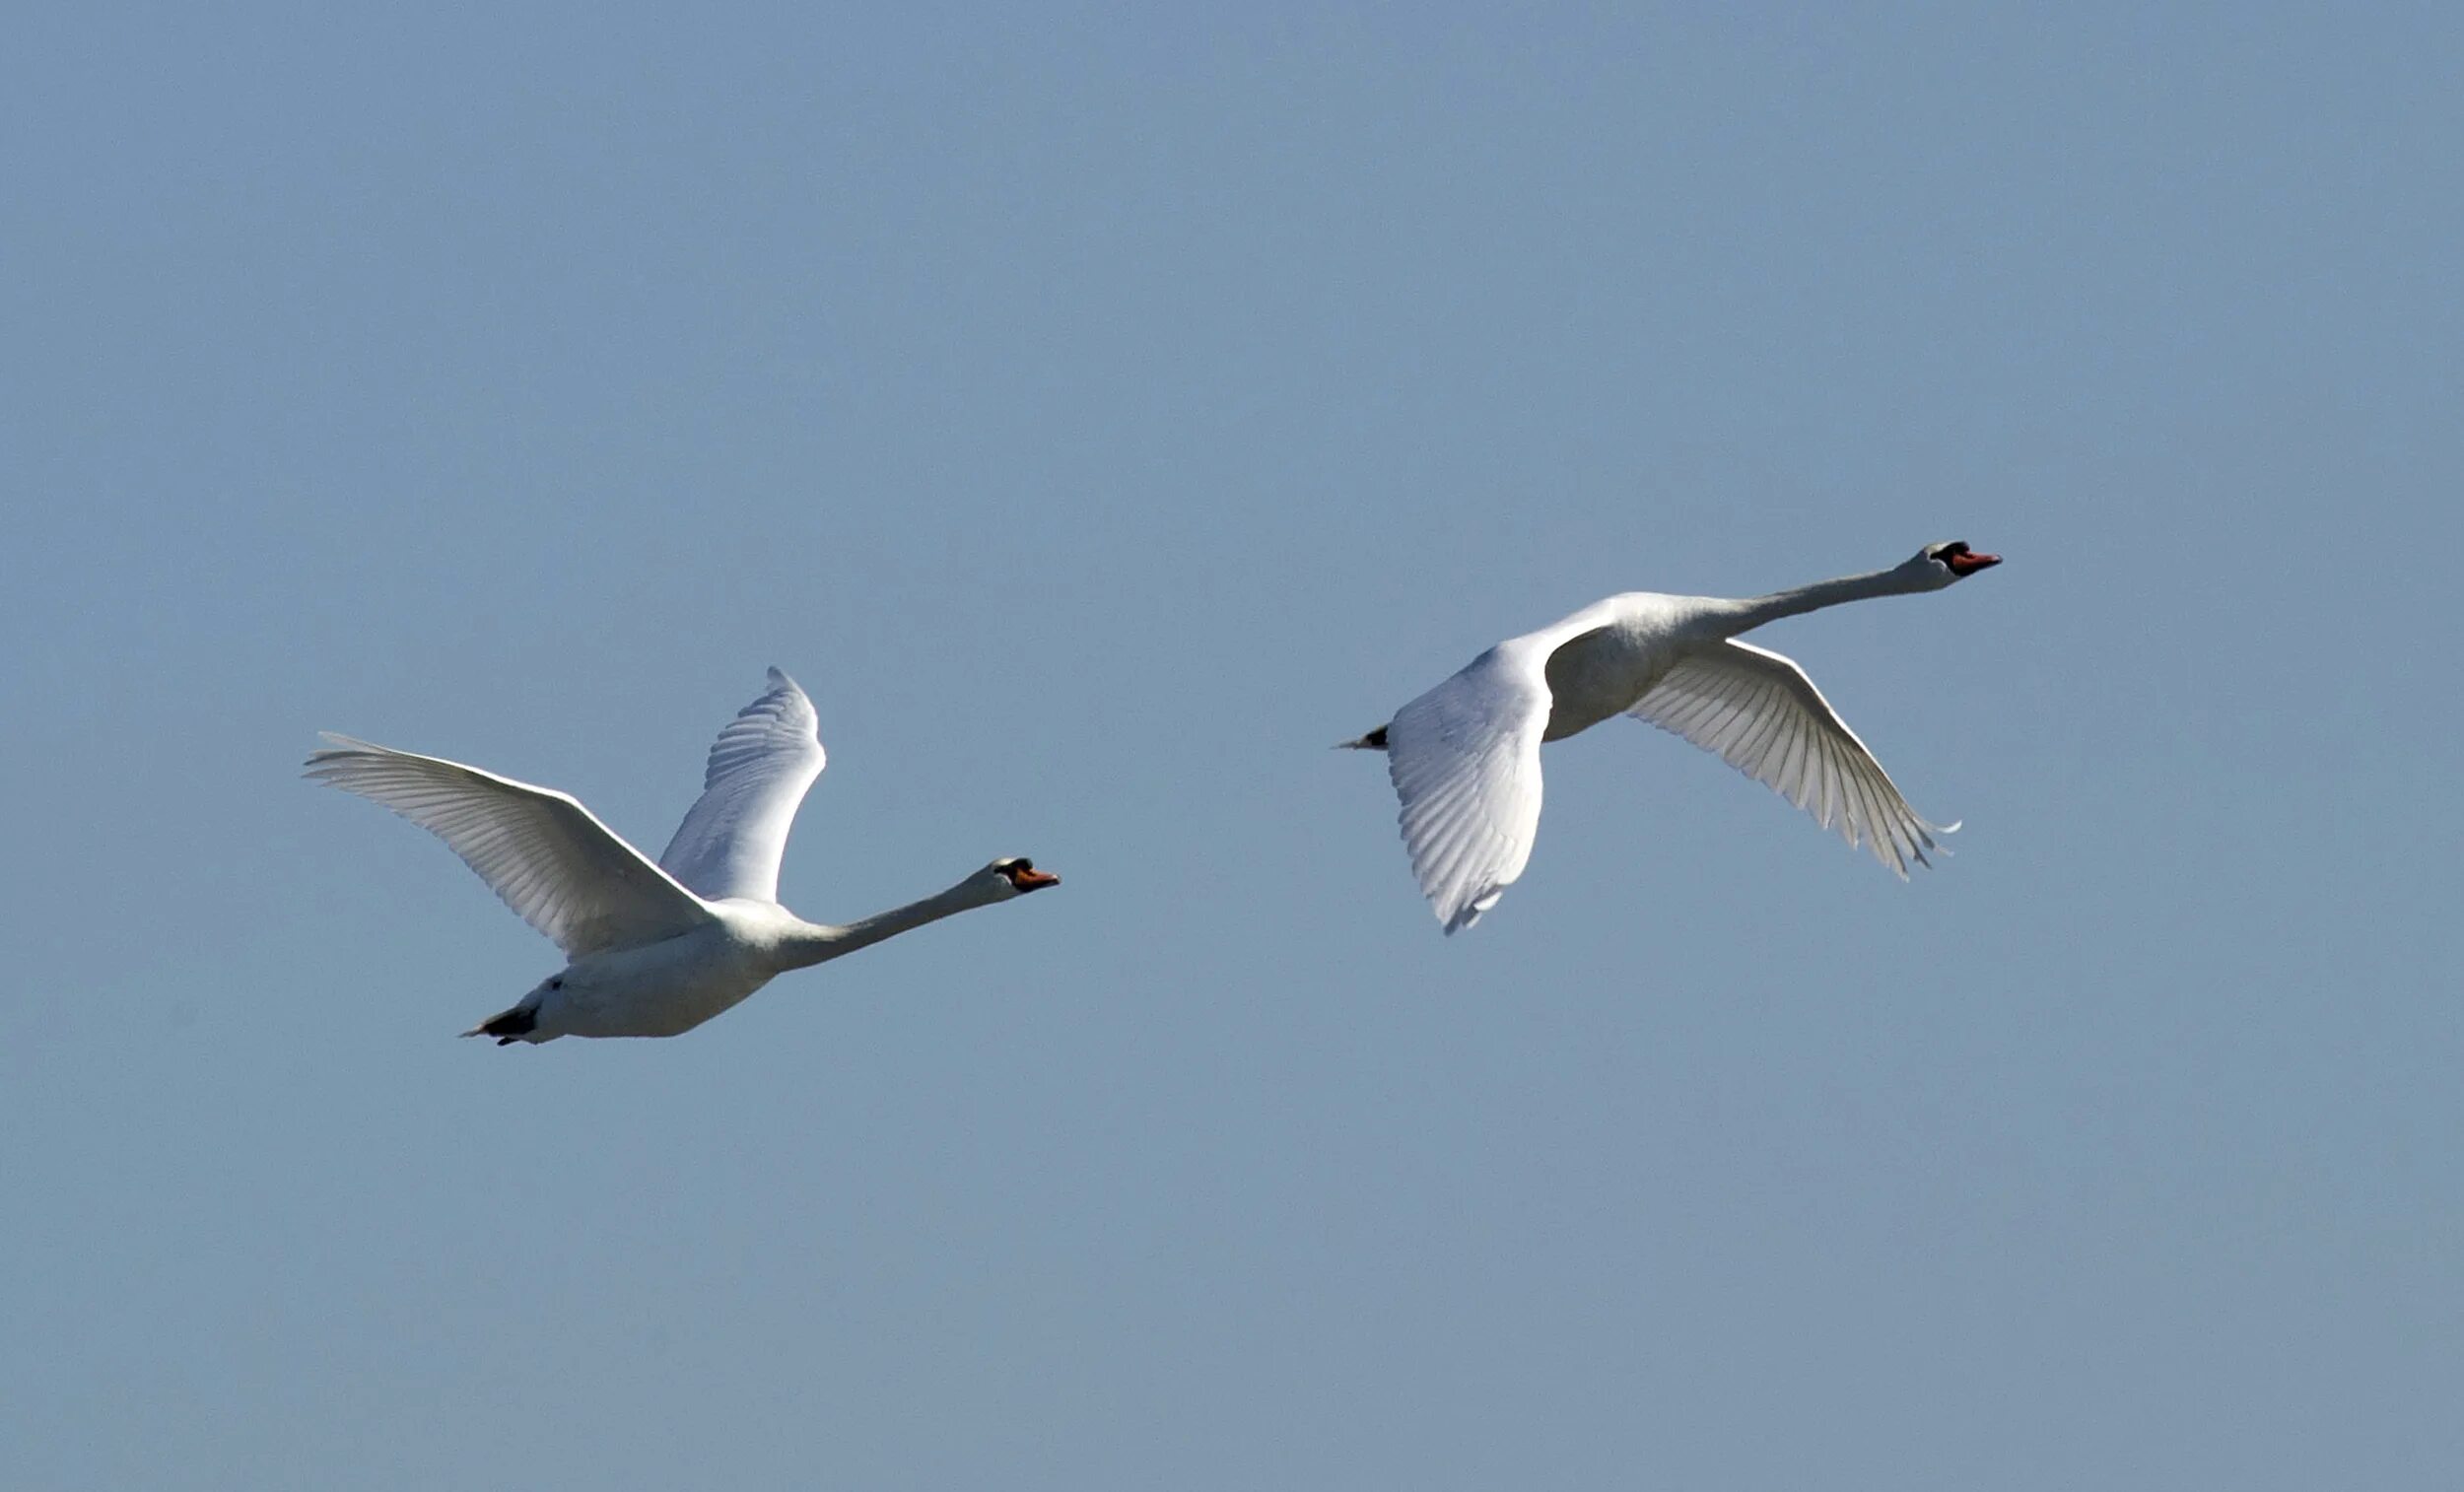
column 1465, row 759
column 731, row 841
column 1764, row 718
column 563, row 870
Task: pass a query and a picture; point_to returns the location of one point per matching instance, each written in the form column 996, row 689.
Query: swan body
column 652, row 949
column 1463, row 758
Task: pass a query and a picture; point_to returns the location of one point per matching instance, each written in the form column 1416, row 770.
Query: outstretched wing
column 731, row 842
column 1764, row 718
column 560, row 868
column 1465, row 759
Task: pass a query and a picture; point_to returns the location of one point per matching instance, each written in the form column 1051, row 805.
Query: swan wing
column 1465, row 760
column 1764, row 718
column 731, row 841
column 545, row 854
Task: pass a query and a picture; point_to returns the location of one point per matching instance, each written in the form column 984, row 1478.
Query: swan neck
column 1751, row 614
column 818, row 942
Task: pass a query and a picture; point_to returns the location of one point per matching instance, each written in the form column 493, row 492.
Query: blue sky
column 1100, row 412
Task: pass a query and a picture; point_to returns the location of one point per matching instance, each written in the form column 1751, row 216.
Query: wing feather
column 546, row 855
column 1760, row 713
column 731, row 841
column 1465, row 761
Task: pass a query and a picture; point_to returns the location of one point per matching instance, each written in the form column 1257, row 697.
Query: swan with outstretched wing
column 1465, row 758
column 650, row 949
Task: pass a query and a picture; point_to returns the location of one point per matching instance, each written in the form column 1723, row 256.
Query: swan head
column 1942, row 564
column 1013, row 876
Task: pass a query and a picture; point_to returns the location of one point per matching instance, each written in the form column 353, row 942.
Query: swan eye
column 1022, row 864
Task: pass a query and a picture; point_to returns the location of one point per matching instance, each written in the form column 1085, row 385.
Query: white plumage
column 731, row 841
column 1760, row 714
column 561, row 871
column 652, row 950
column 1465, row 757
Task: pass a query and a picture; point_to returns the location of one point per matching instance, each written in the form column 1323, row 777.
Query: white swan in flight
column 1465, row 757
column 652, row 950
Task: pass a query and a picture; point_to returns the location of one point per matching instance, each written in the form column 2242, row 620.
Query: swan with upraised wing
column 650, row 949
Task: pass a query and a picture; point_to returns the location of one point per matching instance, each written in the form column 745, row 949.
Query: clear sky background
column 1100, row 412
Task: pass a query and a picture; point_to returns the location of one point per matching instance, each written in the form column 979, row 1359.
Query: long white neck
column 1901, row 581
column 818, row 942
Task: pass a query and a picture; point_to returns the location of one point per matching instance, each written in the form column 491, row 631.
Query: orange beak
column 1970, row 563
column 1033, row 880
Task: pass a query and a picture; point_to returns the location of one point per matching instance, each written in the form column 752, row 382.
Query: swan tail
column 509, row 1026
column 1375, row 740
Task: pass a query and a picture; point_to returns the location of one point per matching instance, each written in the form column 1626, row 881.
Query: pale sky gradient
column 1101, row 411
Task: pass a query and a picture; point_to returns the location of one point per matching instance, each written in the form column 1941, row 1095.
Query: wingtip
column 335, row 743
column 1930, row 838
column 337, row 746
column 1462, row 918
